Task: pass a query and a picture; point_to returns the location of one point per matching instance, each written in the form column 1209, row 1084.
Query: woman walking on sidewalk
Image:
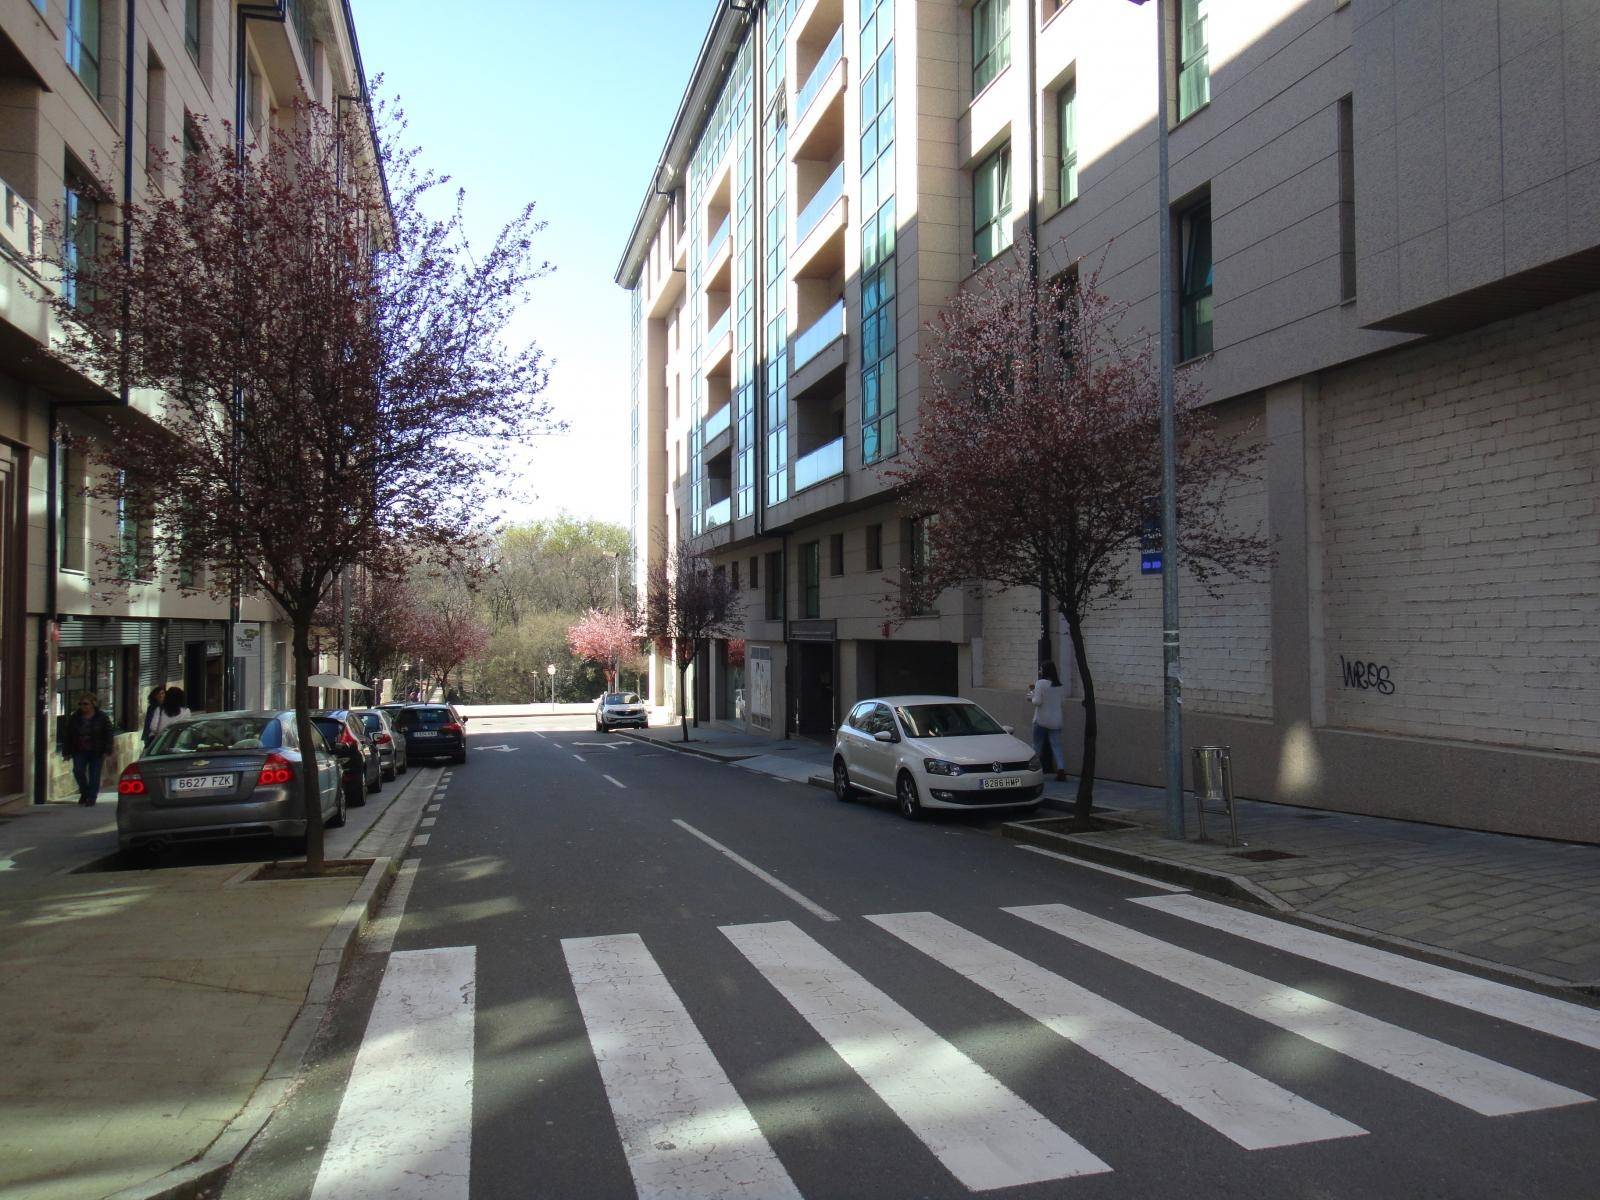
column 1047, row 694
column 86, row 737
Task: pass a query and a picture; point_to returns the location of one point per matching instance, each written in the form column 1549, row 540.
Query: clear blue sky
column 567, row 105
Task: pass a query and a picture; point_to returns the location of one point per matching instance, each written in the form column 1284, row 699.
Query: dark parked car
column 390, row 741
column 348, row 737
column 433, row 731
column 223, row 775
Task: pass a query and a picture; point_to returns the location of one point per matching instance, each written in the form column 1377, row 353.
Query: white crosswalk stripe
column 404, row 1129
column 1468, row 1079
column 686, row 1133
column 1543, row 1014
column 1249, row 1110
column 984, row 1134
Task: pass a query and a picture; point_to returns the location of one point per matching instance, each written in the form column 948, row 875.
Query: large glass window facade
column 1194, row 288
column 991, row 206
column 1194, row 68
column 991, row 41
column 775, row 130
column 879, row 388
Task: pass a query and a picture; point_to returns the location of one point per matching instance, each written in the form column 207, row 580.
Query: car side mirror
column 883, row 735
column 1009, row 728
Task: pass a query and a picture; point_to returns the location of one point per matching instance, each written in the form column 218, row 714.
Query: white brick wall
column 1226, row 649
column 1462, row 540
column 1011, row 639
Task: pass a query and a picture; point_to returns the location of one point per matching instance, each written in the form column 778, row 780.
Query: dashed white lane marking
column 404, row 1128
column 429, row 822
column 1245, row 1108
column 618, row 782
column 580, row 758
column 984, row 1134
column 1104, row 870
column 1543, row 1014
column 685, row 1131
column 433, row 808
column 421, row 839
column 380, row 934
column 1468, row 1079
column 773, row 881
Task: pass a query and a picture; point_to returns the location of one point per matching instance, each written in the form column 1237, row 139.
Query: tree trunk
column 1091, row 727
column 683, row 705
column 308, row 776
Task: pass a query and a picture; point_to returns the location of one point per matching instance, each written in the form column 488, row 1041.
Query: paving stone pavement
column 1520, row 902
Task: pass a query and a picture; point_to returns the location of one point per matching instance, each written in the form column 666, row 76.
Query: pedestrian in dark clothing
column 157, row 695
column 87, row 738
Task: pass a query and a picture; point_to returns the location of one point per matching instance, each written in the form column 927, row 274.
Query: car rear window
column 425, row 718
column 372, row 721
column 329, row 727
column 210, row 735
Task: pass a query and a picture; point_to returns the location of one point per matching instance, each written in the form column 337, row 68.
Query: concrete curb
column 1239, row 890
column 194, row 1179
column 646, row 740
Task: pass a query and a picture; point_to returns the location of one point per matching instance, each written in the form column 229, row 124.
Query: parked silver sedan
column 224, row 775
column 933, row 752
column 387, row 737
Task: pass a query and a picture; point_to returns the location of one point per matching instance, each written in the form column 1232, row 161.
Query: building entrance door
column 814, row 689
column 13, row 562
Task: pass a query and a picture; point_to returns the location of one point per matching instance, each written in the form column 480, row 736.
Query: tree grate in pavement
column 1264, row 855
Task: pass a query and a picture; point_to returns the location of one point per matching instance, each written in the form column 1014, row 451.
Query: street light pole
column 1172, row 676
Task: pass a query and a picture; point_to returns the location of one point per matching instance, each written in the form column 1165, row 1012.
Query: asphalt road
column 627, row 971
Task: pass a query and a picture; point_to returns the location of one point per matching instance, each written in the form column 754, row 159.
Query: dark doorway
column 814, row 689
column 917, row 668
column 202, row 675
column 13, row 563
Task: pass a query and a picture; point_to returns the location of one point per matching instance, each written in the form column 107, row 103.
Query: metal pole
column 345, row 663
column 1172, row 676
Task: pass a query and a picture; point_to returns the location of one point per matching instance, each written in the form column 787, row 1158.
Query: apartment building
column 91, row 90
column 1387, row 243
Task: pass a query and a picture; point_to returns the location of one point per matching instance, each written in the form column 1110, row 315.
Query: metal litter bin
column 1213, row 788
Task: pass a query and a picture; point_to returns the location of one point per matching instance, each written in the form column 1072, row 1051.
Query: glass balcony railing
column 719, row 327
column 717, row 422
column 827, row 195
column 819, row 335
column 719, row 238
column 21, row 230
column 819, row 74
column 719, row 513
column 822, row 463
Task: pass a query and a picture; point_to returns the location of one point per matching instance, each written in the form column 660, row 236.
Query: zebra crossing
column 686, row 1131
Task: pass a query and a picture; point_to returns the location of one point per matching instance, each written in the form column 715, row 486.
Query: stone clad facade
column 1402, row 311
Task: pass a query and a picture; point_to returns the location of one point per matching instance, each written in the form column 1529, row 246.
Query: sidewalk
column 1506, row 902
column 145, row 1008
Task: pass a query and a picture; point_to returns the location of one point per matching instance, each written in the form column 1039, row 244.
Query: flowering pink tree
column 446, row 636
column 336, row 365
column 606, row 638
column 687, row 603
column 1039, row 450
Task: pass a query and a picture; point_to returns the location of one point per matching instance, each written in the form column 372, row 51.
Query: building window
column 82, row 233
column 1067, row 135
column 775, row 585
column 252, row 100
column 1194, row 71
column 1347, row 201
column 155, row 114
column 991, row 206
column 82, row 42
column 135, row 560
column 914, row 558
column 191, row 28
column 874, row 547
column 70, row 512
column 991, row 41
column 755, row 572
column 836, row 554
column 880, row 396
column 733, row 574
column 811, row 579
column 1194, row 290
column 191, row 137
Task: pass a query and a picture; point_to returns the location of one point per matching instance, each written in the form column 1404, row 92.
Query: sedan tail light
column 131, row 783
column 277, row 769
column 383, row 739
column 453, row 727
column 345, row 739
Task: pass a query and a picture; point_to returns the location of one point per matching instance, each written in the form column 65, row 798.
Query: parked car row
column 217, row 776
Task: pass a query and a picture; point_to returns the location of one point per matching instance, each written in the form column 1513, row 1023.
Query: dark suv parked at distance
column 433, row 731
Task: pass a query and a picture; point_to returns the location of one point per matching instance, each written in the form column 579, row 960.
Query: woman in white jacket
column 1047, row 695
column 172, row 709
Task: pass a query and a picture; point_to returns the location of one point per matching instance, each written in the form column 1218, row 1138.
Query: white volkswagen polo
column 933, row 752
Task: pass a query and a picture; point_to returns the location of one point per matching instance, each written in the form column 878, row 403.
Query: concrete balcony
column 817, row 248
column 825, row 462
column 817, row 337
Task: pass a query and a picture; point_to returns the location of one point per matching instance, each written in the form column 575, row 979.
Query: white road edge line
column 580, row 758
column 405, row 1123
column 809, row 905
column 1094, row 866
column 380, row 934
column 685, row 1130
column 421, row 839
column 429, row 822
column 1543, row 1014
column 986, row 1135
column 432, row 808
column 618, row 782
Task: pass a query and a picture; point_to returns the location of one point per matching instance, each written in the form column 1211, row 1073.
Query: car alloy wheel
column 842, row 791
column 337, row 820
column 906, row 796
